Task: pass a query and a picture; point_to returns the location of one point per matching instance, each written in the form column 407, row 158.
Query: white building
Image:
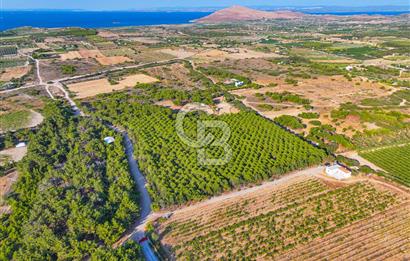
column 338, row 172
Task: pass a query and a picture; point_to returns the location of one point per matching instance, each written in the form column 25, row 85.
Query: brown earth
column 14, row 73
column 239, row 13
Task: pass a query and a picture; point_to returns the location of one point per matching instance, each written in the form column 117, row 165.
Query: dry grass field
column 70, row 56
column 6, row 183
column 178, row 53
column 91, row 88
column 294, row 220
column 232, row 53
column 325, row 93
column 173, row 75
column 95, row 54
column 112, row 60
column 14, row 73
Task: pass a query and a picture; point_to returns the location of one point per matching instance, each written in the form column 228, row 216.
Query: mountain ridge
column 238, row 13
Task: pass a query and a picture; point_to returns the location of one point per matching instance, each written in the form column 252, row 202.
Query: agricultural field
column 94, row 87
column 298, row 214
column 260, row 151
column 295, row 94
column 11, row 73
column 8, row 51
column 14, row 120
column 395, row 160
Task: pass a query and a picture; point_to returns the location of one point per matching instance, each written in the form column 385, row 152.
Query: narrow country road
column 145, row 200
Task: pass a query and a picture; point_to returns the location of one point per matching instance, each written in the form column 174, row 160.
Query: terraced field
column 382, row 237
column 271, row 225
column 395, row 160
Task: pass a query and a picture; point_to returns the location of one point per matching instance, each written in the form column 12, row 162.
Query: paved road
column 41, row 82
column 148, row 252
column 145, row 199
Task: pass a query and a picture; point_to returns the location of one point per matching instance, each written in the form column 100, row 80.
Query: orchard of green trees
column 74, row 196
column 260, row 150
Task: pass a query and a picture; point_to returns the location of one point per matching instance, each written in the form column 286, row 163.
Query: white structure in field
column 21, row 145
column 349, row 68
column 338, row 172
column 109, row 140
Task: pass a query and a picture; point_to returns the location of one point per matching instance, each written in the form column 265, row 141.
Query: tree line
column 74, row 196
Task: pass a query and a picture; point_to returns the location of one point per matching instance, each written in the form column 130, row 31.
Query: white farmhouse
column 338, row 172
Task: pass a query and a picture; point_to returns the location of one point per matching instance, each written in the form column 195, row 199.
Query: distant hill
column 240, row 13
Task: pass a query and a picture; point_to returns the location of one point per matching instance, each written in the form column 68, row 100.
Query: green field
column 260, row 150
column 14, row 120
column 394, row 160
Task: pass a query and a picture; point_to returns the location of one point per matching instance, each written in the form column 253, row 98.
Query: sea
column 89, row 19
column 103, row 19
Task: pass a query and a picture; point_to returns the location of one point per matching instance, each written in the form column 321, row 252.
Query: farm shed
column 338, row 172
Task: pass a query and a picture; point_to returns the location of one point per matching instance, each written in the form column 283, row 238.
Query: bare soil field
column 112, row 60
column 14, row 73
column 382, row 237
column 51, row 69
column 144, row 40
column 90, row 53
column 178, row 53
column 6, row 183
column 173, row 75
column 95, row 87
column 211, row 220
column 221, row 107
column 107, row 34
column 168, row 104
column 232, row 53
column 70, row 56
column 14, row 154
column 326, row 93
column 151, row 55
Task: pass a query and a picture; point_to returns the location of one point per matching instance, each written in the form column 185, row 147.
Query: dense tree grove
column 74, row 196
column 261, row 150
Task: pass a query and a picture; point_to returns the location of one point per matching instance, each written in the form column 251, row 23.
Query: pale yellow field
column 70, row 56
column 112, row 60
column 179, row 53
column 90, row 53
column 94, row 87
column 81, row 54
column 14, row 72
column 233, row 53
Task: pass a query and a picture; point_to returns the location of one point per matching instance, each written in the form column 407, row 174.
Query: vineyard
column 269, row 225
column 8, row 50
column 365, row 240
column 260, row 151
column 394, row 160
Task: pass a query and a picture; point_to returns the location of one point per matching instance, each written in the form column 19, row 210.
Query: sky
column 138, row 4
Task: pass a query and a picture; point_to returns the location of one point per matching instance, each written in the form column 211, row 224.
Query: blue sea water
column 88, row 19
